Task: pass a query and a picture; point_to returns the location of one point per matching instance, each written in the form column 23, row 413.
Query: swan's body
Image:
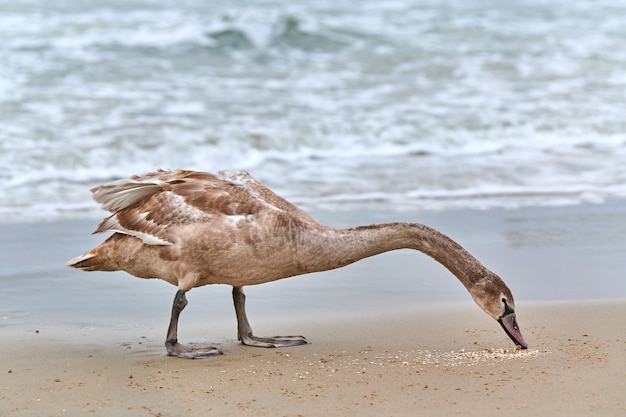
column 194, row 228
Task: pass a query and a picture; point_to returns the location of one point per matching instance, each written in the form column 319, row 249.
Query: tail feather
column 82, row 261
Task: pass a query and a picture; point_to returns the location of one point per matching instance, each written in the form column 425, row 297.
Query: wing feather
column 118, row 195
column 260, row 192
column 151, row 207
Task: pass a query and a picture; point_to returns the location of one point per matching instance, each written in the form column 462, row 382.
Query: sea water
column 402, row 104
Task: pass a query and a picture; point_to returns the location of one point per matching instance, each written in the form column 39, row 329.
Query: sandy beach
column 76, row 344
column 439, row 363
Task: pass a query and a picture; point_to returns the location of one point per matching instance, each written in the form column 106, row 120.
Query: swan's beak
column 509, row 324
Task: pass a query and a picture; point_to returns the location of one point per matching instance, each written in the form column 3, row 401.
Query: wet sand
column 394, row 335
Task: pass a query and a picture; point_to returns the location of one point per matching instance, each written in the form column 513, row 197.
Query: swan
column 194, row 228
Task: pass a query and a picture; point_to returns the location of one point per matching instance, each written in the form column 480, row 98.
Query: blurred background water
column 399, row 104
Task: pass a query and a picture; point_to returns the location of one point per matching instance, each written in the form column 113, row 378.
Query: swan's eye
column 507, row 308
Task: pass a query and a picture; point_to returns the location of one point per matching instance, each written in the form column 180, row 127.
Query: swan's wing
column 148, row 207
column 259, row 191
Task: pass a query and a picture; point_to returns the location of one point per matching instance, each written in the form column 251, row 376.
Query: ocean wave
column 232, row 28
column 481, row 197
column 53, row 200
column 252, row 29
column 430, row 103
column 331, row 178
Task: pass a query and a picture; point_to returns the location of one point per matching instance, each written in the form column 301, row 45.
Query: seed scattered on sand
column 474, row 357
column 419, row 359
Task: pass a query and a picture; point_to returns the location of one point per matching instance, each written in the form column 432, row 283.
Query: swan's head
column 494, row 297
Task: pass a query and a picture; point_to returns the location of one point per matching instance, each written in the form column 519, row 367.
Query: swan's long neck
column 345, row 246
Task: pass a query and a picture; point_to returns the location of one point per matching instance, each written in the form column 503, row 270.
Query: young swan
column 195, row 228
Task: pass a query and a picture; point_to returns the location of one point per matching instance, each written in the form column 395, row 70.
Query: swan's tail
column 84, row 262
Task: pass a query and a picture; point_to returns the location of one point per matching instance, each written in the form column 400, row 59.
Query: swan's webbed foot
column 176, row 349
column 244, row 331
column 272, row 342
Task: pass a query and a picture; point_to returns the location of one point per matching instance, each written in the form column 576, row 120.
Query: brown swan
column 194, row 228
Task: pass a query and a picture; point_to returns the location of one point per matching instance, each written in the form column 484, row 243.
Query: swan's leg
column 171, row 343
column 244, row 331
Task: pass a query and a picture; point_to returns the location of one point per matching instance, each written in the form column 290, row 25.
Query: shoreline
column 541, row 253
